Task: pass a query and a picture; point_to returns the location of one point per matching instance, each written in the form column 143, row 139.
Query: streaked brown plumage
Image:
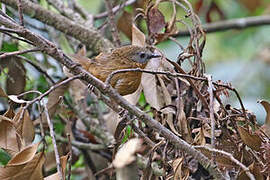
column 126, row 57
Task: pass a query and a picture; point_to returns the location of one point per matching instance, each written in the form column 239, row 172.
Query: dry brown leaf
column 155, row 20
column 126, row 154
column 124, row 24
column 33, row 169
column 56, row 176
column 24, row 156
column 266, row 125
column 2, row 93
column 138, row 38
column 200, row 138
column 24, row 126
column 251, row 140
column 8, row 135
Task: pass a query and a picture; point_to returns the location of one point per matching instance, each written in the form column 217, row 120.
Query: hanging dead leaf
column 152, row 92
column 155, row 20
column 138, row 38
column 124, row 24
column 251, row 140
column 24, row 126
column 8, row 135
column 16, row 76
column 126, row 154
column 266, row 125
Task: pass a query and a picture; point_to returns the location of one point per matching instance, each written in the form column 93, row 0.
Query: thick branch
column 239, row 23
column 86, row 35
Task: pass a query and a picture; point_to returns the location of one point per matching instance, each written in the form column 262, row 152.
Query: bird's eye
column 142, row 55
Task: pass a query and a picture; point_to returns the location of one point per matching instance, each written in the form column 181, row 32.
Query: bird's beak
column 154, row 56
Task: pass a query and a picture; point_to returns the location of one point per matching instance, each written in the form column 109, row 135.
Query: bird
column 125, row 57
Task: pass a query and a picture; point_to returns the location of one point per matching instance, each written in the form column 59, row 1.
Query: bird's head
column 135, row 53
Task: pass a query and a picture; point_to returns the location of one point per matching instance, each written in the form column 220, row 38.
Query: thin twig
column 114, row 30
column 114, row 10
column 212, row 117
column 52, row 134
column 52, row 89
column 239, row 23
column 8, row 54
column 19, row 3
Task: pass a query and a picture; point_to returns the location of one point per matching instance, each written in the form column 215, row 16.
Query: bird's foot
column 90, row 87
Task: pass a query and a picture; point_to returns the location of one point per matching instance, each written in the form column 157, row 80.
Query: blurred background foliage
column 241, row 57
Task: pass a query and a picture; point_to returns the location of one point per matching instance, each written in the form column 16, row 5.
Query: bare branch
column 239, row 23
column 8, row 54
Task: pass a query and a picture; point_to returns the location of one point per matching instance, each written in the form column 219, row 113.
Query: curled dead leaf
column 266, row 125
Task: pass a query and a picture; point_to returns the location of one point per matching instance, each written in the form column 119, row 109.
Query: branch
column 115, row 9
column 239, row 23
column 51, row 49
column 89, row 36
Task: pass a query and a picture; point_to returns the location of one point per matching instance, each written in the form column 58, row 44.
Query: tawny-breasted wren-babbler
column 126, row 57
